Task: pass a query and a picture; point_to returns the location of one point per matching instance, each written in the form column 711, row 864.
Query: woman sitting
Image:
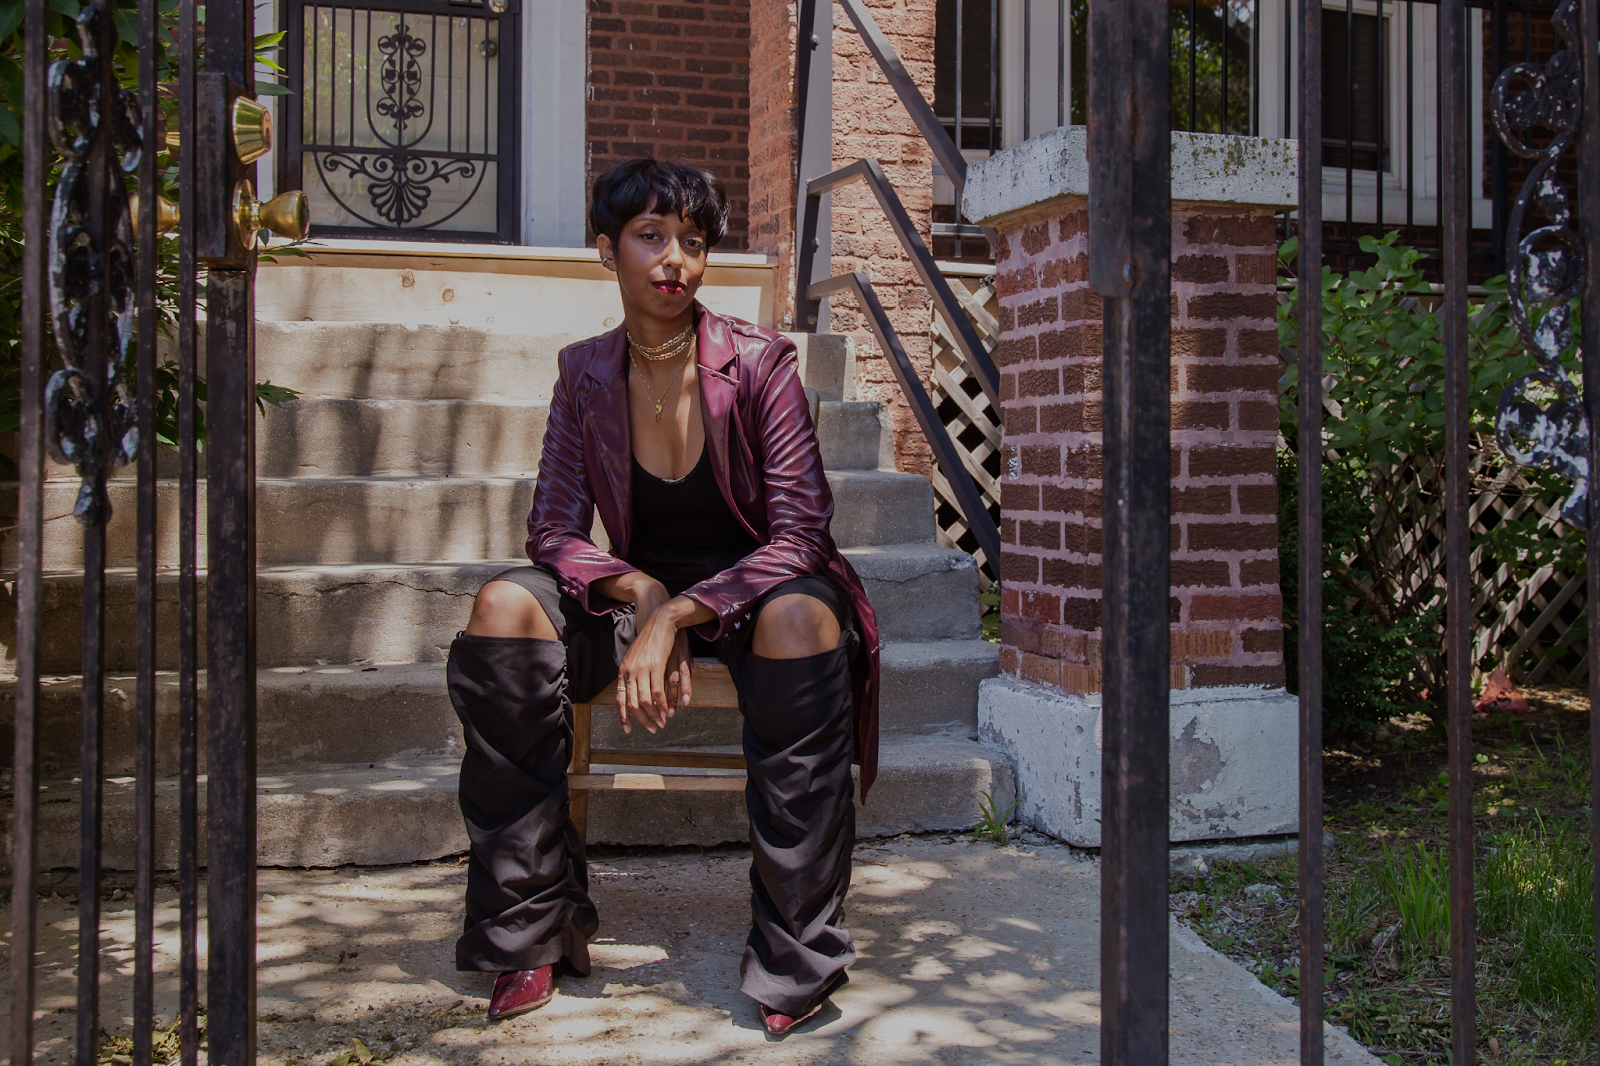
column 692, row 435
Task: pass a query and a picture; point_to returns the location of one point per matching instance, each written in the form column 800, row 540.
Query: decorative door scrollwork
column 1541, row 420
column 88, row 267
column 404, row 120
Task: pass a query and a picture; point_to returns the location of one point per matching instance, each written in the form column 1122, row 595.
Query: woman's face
column 660, row 261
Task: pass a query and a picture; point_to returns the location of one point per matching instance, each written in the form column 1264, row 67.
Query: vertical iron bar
column 145, row 639
column 1255, row 70
column 1349, row 124
column 1288, row 69
column 1130, row 189
column 188, row 534
column 1498, row 158
column 1027, row 69
column 961, row 55
column 1455, row 205
column 1194, row 44
column 1411, row 132
column 91, row 752
column 30, row 536
column 230, row 598
column 1309, row 516
column 1224, row 124
column 994, row 74
column 1381, row 103
column 1589, row 226
column 1061, row 62
column 450, row 76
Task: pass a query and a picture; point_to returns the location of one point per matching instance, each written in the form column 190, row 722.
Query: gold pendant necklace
column 667, row 350
column 655, row 402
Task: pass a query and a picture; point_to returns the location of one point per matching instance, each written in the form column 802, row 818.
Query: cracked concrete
column 968, row 954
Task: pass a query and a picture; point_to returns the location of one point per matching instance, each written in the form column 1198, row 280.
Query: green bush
column 1384, row 478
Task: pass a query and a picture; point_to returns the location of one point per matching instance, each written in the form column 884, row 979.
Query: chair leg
column 580, row 765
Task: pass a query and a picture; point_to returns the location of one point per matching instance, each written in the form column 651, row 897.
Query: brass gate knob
column 252, row 129
column 285, row 214
column 166, row 213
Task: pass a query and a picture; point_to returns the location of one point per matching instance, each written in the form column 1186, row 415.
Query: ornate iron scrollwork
column 1541, row 420
column 401, row 177
column 400, row 185
column 80, row 262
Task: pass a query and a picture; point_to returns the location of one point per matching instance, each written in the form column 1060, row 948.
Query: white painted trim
column 266, row 21
column 1425, row 116
column 555, row 59
column 1041, row 25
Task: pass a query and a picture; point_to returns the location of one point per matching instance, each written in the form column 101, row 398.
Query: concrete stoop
column 408, row 810
column 389, row 493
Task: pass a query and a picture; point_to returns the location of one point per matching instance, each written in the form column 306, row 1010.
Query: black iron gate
column 1541, row 113
column 405, row 118
column 91, row 302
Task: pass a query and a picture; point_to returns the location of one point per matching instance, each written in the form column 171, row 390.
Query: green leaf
column 10, row 17
column 68, row 8
column 127, row 25
column 272, row 88
column 10, row 128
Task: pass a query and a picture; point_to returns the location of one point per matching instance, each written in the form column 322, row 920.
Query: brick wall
column 1227, row 609
column 672, row 80
column 774, row 147
column 870, row 123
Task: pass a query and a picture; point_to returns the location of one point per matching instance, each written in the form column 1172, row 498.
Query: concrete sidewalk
column 968, row 954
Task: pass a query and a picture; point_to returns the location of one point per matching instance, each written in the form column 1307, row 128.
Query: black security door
column 403, row 123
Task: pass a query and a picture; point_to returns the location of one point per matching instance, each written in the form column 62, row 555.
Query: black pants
column 527, row 899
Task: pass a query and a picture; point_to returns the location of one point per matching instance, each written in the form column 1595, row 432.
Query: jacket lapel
column 609, row 440
column 717, row 394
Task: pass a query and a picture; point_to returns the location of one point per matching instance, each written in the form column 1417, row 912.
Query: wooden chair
column 712, row 688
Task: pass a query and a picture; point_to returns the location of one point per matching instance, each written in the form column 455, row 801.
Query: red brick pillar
column 1226, row 608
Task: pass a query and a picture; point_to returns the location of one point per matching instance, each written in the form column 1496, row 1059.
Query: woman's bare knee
column 794, row 626
column 506, row 609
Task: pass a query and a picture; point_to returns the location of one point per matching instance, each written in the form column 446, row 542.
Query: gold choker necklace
column 674, row 347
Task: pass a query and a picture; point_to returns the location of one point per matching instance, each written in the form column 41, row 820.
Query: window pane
column 1354, row 115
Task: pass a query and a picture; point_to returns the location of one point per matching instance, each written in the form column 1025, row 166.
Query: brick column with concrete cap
column 1233, row 725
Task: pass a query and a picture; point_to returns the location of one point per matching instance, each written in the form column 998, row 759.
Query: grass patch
column 1387, row 917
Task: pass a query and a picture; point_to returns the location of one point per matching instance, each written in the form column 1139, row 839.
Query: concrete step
column 309, row 716
column 323, row 437
column 395, row 361
column 855, row 435
column 408, row 811
column 371, row 613
column 338, row 521
column 320, row 437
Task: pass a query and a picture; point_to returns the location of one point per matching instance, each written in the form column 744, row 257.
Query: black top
column 683, row 531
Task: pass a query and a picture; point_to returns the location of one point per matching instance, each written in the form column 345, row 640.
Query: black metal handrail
column 973, row 353
column 812, row 233
column 970, row 500
column 933, row 131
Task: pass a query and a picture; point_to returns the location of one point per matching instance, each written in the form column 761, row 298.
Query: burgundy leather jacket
column 767, row 463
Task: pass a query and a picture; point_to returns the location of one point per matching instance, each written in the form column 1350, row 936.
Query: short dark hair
column 629, row 189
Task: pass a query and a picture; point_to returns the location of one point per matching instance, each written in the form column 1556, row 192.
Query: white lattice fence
column 1533, row 626
column 973, row 423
